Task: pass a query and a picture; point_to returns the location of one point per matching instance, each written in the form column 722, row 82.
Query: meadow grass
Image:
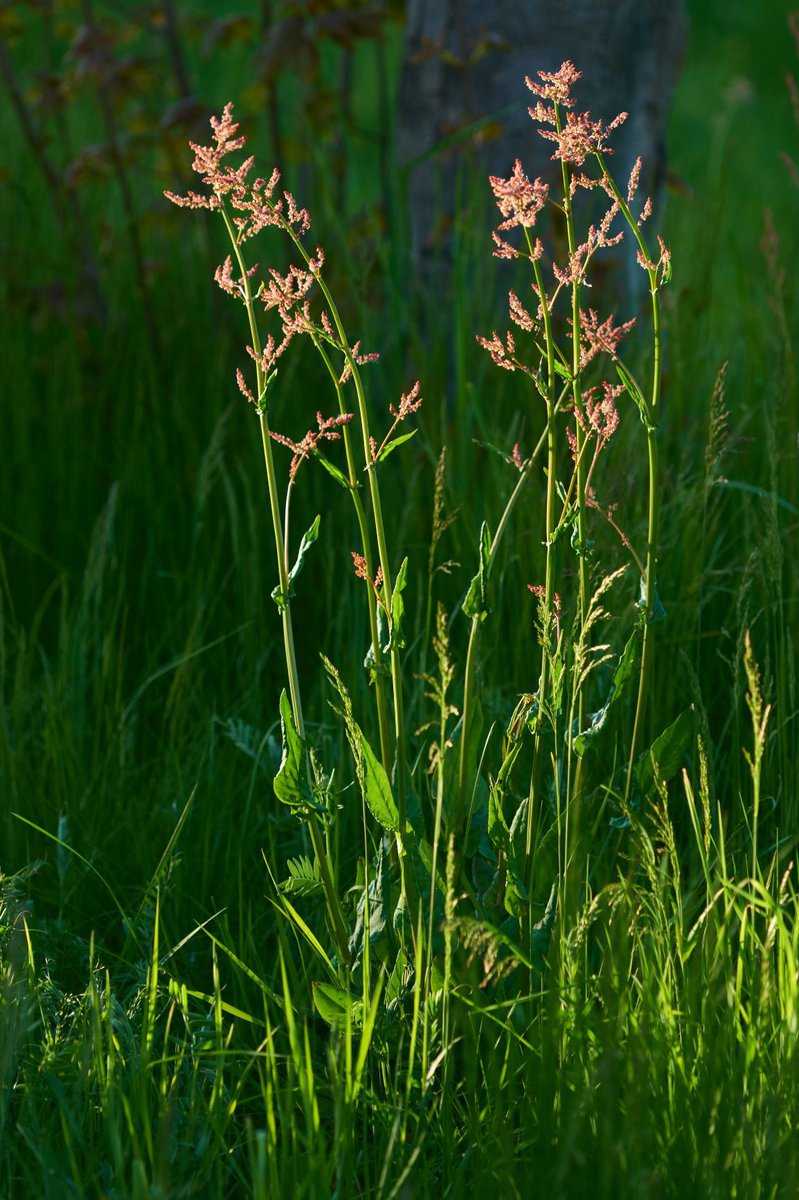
column 173, row 1023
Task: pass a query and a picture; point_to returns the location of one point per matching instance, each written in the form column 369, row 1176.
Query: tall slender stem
column 474, row 630
column 366, row 547
column 334, row 908
column 549, row 519
column 649, row 416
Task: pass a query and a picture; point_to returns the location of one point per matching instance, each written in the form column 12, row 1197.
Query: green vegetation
column 582, row 974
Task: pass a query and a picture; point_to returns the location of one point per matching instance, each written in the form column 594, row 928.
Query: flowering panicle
column 255, row 204
column 540, row 593
column 519, row 199
column 519, row 315
column 270, row 353
column 243, row 388
column 555, row 86
column 410, row 402
column 581, row 137
column 633, row 181
column 503, row 354
column 327, row 430
column 600, row 337
column 663, row 265
column 223, row 276
column 601, row 411
column 598, row 238
column 354, row 356
column 362, row 570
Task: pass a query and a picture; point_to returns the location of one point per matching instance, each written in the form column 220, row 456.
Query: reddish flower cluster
column 362, row 571
column 598, row 238
column 410, row 402
column 663, row 264
column 519, row 199
column 601, row 412
column 355, row 355
column 503, row 354
column 255, row 202
column 327, row 431
column 581, row 137
column 518, row 314
column 556, row 86
column 600, row 337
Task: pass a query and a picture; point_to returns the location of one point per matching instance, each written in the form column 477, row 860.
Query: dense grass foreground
column 567, row 819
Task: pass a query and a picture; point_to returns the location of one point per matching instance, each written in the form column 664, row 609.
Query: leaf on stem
column 475, row 604
column 280, row 597
column 291, row 782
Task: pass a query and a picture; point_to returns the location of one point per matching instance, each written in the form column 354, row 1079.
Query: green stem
column 334, row 909
column 548, row 577
column 649, row 416
column 366, row 546
column 385, row 565
column 474, row 631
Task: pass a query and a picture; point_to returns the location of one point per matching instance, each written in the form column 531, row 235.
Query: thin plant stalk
column 549, row 518
column 331, row 897
column 649, row 416
column 474, row 630
column 366, row 547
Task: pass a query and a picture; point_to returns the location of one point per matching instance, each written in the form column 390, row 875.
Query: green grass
column 158, row 1030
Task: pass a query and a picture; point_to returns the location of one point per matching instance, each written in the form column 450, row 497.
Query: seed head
column 518, row 199
column 555, row 86
column 580, row 137
column 327, row 430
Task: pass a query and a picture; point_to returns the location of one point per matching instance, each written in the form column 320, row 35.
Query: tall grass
column 601, row 998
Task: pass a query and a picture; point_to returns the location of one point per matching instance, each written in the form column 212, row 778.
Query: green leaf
column 394, row 443
column 333, row 470
column 475, row 604
column 398, row 607
column 372, row 777
column 291, row 782
column 375, row 787
column 666, row 754
column 396, row 980
column 333, row 1004
column 304, row 878
column 633, row 390
column 621, row 677
column 658, row 611
column 280, row 597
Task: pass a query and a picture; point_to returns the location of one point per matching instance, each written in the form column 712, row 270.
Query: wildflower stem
column 366, row 547
column 582, row 569
column 471, row 651
column 550, row 512
column 649, row 417
column 385, row 562
column 334, row 908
